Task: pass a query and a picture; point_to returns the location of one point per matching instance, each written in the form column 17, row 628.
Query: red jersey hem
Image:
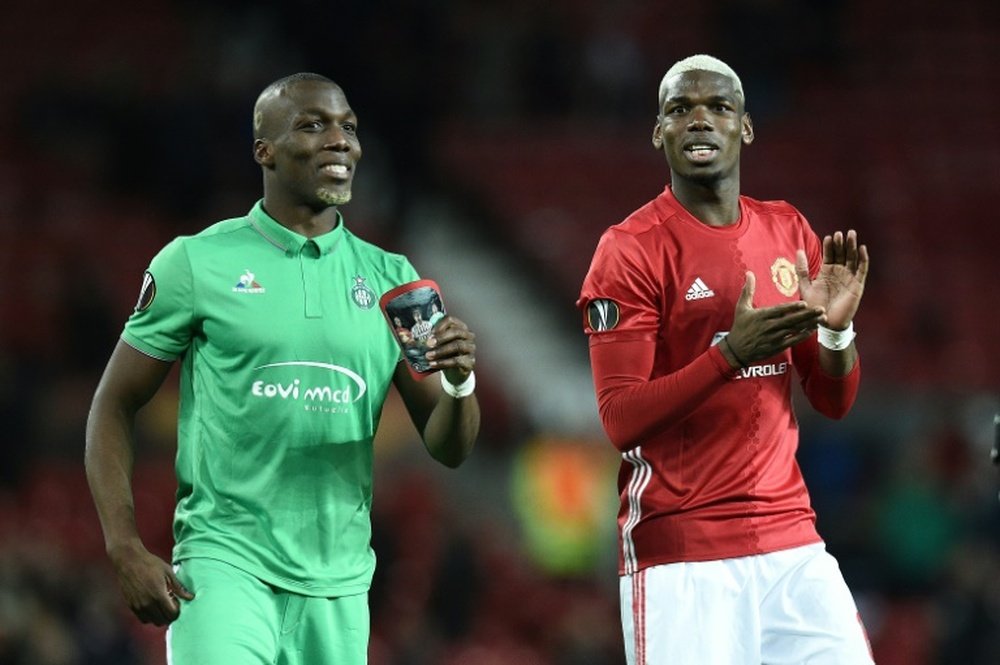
column 647, row 562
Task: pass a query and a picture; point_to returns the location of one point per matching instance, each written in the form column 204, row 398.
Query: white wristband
column 464, row 389
column 836, row 340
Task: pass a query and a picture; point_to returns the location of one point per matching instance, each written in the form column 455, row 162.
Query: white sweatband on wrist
column 836, row 340
column 464, row 389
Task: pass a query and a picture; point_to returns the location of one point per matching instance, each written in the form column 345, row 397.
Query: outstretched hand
column 841, row 280
column 759, row 333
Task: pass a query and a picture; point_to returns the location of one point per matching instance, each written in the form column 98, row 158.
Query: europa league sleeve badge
column 412, row 310
column 602, row 315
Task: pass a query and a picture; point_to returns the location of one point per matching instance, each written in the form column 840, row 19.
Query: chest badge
column 784, row 277
column 361, row 293
column 248, row 284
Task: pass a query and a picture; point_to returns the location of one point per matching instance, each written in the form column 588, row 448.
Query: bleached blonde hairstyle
column 704, row 63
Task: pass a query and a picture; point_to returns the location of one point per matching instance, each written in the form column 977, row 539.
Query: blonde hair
column 700, row 62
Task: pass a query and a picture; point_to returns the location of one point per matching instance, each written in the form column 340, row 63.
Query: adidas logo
column 698, row 290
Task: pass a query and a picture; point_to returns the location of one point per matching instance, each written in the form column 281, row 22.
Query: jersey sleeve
column 634, row 408
column 621, row 309
column 620, row 297
column 833, row 396
column 407, row 273
column 162, row 324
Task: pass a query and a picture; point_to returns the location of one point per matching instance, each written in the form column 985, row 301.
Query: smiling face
column 307, row 143
column 701, row 127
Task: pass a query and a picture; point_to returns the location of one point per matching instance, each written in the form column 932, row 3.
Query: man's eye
column 350, row 128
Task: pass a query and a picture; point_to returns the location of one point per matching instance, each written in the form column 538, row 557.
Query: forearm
column 108, row 460
column 830, row 379
column 632, row 407
column 838, row 363
column 452, row 429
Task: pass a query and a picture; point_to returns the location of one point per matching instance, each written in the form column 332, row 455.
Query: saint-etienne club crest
column 361, row 294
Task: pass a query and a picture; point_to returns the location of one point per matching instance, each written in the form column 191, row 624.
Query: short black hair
column 279, row 86
column 292, row 79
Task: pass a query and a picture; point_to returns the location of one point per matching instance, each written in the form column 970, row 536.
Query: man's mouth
column 338, row 171
column 701, row 152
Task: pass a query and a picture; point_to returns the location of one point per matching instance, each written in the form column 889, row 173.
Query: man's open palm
column 841, row 279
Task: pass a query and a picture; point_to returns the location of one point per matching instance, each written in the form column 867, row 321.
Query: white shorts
column 784, row 608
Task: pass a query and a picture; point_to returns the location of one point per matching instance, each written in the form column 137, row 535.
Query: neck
column 302, row 219
column 714, row 203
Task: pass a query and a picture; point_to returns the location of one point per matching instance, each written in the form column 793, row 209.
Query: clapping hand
column 840, row 282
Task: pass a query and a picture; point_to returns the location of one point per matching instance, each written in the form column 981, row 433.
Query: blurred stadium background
column 500, row 139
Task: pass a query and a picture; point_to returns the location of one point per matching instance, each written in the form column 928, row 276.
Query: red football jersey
column 708, row 453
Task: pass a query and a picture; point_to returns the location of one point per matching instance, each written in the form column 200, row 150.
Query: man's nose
column 700, row 119
column 336, row 139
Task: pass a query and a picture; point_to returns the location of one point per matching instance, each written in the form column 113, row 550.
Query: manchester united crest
column 784, row 277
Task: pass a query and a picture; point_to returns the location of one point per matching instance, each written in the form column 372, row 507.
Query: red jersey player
column 699, row 308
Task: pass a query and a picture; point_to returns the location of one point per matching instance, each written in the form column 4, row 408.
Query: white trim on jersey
column 641, row 475
column 639, row 617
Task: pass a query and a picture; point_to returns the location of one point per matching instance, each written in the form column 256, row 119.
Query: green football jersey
column 286, row 360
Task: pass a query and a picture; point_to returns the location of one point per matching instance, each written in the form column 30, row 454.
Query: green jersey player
column 285, row 362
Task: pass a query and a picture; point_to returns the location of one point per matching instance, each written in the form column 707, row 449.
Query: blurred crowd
column 125, row 125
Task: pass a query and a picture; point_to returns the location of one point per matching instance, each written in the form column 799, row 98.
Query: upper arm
column 164, row 321
column 621, row 363
column 130, row 379
column 620, row 293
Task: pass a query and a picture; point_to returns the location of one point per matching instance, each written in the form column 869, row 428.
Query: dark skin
column 701, row 129
column 307, row 145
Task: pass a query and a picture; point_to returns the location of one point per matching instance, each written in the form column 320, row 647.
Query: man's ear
column 747, row 129
column 262, row 153
column 657, row 135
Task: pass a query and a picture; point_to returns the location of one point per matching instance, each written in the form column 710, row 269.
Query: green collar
column 289, row 241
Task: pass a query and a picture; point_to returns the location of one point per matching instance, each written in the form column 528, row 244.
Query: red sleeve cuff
column 721, row 364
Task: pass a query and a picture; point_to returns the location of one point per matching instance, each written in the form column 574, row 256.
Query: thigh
column 232, row 619
column 700, row 613
column 325, row 630
column 808, row 614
